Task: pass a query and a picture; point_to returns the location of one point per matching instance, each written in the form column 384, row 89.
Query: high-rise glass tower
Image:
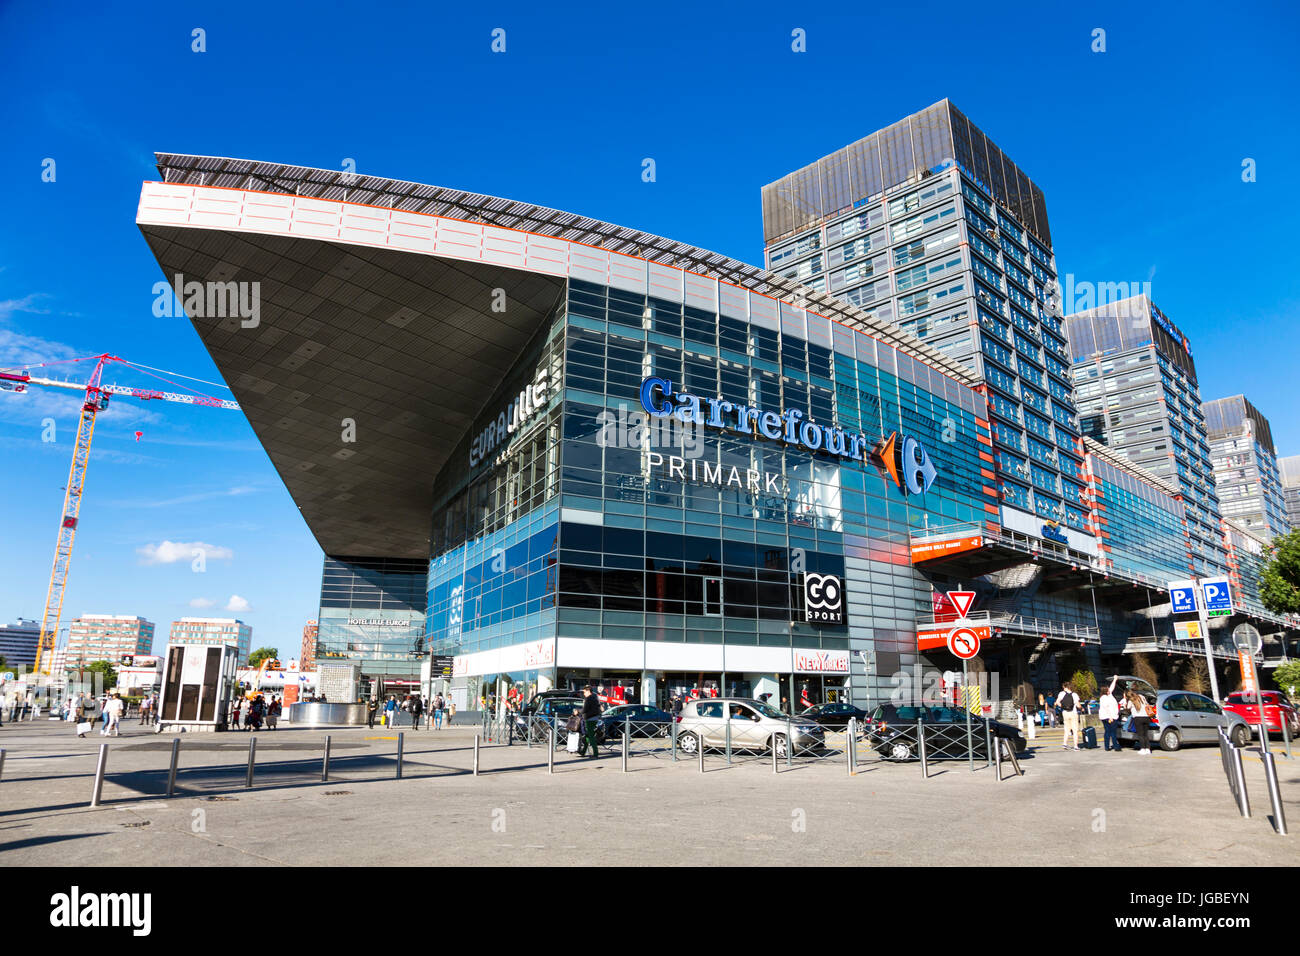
column 928, row 225
column 1136, row 389
column 1245, row 466
column 1289, row 471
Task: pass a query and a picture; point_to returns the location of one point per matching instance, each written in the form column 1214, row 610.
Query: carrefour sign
column 907, row 462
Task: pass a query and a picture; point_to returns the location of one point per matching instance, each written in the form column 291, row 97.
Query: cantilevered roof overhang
column 375, row 305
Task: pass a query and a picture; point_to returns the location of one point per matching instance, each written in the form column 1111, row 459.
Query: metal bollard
column 988, row 744
column 625, row 744
column 789, row 744
column 1286, row 736
column 171, row 772
column 728, row 735
column 920, row 744
column 1239, row 772
column 774, row 764
column 997, row 758
column 528, row 732
column 98, row 791
column 550, row 751
column 252, row 757
column 476, row 755
column 2, row 762
column 1274, row 794
column 325, row 767
column 848, row 746
column 400, row 742
column 699, row 738
column 673, row 734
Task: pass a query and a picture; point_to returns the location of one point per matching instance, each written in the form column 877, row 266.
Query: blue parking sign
column 1182, row 594
column 1218, row 596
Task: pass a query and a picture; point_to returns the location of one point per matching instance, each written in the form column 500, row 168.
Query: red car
column 1276, row 707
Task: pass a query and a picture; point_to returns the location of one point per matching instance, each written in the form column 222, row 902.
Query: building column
column 648, row 688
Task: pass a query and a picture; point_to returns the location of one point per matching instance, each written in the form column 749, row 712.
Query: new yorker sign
column 904, row 458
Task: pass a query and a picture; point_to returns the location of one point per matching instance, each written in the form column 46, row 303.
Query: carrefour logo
column 907, row 462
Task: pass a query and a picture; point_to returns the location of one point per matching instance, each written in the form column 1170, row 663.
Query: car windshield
column 767, row 710
column 936, row 715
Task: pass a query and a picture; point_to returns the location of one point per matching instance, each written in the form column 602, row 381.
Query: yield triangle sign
column 962, row 600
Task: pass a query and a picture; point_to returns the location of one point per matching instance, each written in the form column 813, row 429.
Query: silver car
column 1183, row 717
column 754, row 726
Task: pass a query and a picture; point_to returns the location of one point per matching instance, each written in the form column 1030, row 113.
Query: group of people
column 255, row 712
column 1109, row 710
column 111, row 710
column 439, row 709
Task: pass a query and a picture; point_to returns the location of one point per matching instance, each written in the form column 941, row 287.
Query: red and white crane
column 97, row 397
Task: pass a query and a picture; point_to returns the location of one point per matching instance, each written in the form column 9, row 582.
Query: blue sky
column 1139, row 150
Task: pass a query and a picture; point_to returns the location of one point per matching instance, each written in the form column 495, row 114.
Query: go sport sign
column 906, row 460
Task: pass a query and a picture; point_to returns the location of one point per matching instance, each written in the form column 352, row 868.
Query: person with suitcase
column 1068, row 701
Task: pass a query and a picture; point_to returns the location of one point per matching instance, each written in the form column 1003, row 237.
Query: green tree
column 1287, row 676
column 1084, row 683
column 261, row 654
column 1279, row 586
column 107, row 669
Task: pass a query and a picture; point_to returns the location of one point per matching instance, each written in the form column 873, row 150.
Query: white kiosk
column 197, row 687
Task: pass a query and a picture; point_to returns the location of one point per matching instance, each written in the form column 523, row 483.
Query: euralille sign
column 528, row 402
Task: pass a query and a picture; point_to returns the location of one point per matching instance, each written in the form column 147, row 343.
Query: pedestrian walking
column 1068, row 701
column 590, row 711
column 273, row 713
column 113, row 716
column 1108, row 712
column 1140, row 717
column 438, row 705
column 390, row 711
column 234, row 713
column 372, row 705
column 451, row 710
column 417, row 711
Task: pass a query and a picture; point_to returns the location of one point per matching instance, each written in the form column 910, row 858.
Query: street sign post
column 965, row 644
column 962, row 600
column 1187, row 597
column 1248, row 642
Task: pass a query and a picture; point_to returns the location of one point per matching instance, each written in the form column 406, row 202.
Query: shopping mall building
column 562, row 451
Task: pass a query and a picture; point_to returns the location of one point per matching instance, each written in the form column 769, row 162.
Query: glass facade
column 1139, row 524
column 1246, row 474
column 656, row 533
column 372, row 612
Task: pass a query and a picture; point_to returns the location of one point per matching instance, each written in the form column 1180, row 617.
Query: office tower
column 106, row 637
column 1245, row 466
column 1137, row 393
column 213, row 630
column 928, row 225
column 1289, row 473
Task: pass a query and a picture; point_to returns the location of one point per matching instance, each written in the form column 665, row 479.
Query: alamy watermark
column 209, row 300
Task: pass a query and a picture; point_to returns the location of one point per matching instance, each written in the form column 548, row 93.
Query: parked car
column 1276, row 709
column 643, row 721
column 1183, row 717
column 549, row 712
column 754, row 726
column 834, row 716
column 536, row 701
column 894, row 734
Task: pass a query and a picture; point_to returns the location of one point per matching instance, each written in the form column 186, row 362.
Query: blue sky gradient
column 1139, row 150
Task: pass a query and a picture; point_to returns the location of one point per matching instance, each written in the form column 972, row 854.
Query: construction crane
column 97, row 397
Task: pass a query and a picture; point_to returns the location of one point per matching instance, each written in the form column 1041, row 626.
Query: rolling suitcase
column 1089, row 738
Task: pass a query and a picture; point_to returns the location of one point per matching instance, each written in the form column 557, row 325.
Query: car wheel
column 688, row 743
column 778, row 743
column 1170, row 739
column 1240, row 735
column 900, row 751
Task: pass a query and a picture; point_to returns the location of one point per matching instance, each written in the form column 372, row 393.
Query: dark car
column 642, row 720
column 893, row 732
column 549, row 712
column 834, row 716
column 537, row 700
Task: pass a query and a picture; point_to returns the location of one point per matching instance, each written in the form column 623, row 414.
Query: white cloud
column 171, row 552
column 26, row 304
column 236, row 603
column 202, row 602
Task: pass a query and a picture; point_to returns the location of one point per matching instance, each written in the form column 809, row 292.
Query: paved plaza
column 1086, row 807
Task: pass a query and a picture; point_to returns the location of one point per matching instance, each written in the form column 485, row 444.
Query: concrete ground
column 1088, row 807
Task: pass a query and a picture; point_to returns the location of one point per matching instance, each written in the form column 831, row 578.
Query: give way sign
column 962, row 600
